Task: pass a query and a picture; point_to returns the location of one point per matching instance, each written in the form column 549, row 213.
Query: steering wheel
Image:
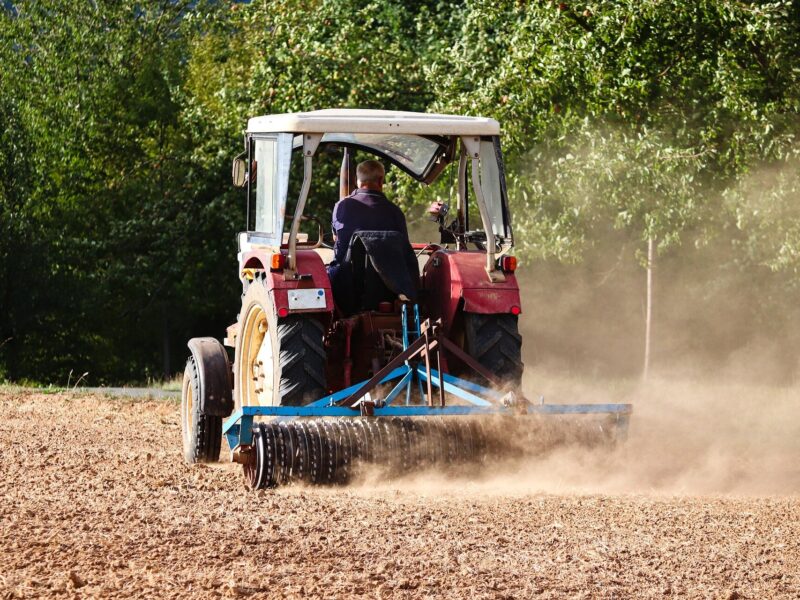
column 321, row 229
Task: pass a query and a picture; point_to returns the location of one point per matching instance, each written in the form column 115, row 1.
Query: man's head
column 370, row 174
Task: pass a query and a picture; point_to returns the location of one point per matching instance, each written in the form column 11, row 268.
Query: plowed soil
column 95, row 501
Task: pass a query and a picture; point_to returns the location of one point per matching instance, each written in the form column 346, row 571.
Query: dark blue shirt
column 364, row 210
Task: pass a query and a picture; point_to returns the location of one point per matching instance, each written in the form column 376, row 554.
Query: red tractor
column 299, row 354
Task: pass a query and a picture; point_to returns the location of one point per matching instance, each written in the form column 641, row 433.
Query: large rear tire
column 202, row 434
column 279, row 361
column 494, row 341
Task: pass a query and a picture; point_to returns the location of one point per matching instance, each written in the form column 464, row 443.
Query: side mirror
column 239, row 172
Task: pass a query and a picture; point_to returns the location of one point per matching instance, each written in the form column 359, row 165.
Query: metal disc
column 303, row 462
column 315, row 446
column 261, row 457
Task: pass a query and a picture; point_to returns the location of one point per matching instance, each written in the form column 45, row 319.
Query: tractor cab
column 465, row 281
column 422, row 146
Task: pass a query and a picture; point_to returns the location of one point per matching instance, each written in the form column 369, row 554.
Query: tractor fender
column 489, row 301
column 312, row 276
column 457, row 280
column 214, row 369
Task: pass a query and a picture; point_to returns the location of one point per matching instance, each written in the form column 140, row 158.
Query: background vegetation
column 623, row 121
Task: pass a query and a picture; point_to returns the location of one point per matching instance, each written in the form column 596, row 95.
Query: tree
column 114, row 200
column 623, row 121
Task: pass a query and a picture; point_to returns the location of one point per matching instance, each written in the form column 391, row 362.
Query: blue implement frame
column 352, row 401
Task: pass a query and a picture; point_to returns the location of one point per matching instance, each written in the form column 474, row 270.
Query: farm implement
column 344, row 430
column 418, row 364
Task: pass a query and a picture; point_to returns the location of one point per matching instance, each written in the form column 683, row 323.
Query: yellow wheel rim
column 188, row 407
column 255, row 375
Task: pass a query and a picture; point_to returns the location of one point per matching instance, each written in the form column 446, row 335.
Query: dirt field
column 96, row 501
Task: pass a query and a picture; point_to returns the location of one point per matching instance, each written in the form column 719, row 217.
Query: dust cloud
column 685, row 438
column 719, row 415
column 721, row 412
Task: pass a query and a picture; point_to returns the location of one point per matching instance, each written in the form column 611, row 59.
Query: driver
column 366, row 209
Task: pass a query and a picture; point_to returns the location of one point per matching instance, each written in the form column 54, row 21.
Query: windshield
column 273, row 173
column 413, row 153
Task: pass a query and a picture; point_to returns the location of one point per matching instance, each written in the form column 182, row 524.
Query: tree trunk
column 648, row 325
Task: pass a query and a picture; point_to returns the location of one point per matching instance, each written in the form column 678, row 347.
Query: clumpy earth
column 95, row 500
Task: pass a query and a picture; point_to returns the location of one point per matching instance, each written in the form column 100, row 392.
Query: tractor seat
column 380, row 266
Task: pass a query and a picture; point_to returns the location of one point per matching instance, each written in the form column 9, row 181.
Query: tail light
column 277, row 262
column 508, row 264
column 515, row 310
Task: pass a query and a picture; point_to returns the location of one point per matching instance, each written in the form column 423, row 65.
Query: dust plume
column 689, row 437
column 721, row 415
column 685, row 438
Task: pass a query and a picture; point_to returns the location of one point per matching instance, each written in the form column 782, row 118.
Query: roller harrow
column 329, row 452
column 443, row 421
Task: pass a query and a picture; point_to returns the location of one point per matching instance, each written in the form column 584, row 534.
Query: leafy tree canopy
column 668, row 120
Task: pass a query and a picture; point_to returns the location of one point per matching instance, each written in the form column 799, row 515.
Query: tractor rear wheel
column 202, row 434
column 494, row 341
column 279, row 361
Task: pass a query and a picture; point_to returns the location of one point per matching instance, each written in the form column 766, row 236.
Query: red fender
column 309, row 266
column 453, row 278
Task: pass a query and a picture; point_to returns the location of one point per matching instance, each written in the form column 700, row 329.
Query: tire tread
column 302, row 360
column 495, row 342
column 205, row 438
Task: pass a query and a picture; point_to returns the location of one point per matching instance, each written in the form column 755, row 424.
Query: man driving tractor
column 371, row 217
column 299, row 352
column 366, row 209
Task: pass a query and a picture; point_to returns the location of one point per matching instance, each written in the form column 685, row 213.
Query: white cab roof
column 351, row 120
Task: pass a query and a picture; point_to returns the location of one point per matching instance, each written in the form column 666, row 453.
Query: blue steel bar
column 340, row 395
column 460, row 392
column 469, row 385
column 403, row 386
column 239, row 433
column 405, row 327
column 424, row 410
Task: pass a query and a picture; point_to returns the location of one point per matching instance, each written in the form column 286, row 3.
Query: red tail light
column 283, row 312
column 515, row 310
column 508, row 264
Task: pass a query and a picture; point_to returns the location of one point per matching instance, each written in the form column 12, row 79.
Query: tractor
column 396, row 377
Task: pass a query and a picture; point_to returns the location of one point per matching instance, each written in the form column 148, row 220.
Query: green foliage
column 290, row 55
column 631, row 114
column 112, row 208
column 670, row 120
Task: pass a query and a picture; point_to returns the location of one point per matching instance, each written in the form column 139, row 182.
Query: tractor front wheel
column 202, row 434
